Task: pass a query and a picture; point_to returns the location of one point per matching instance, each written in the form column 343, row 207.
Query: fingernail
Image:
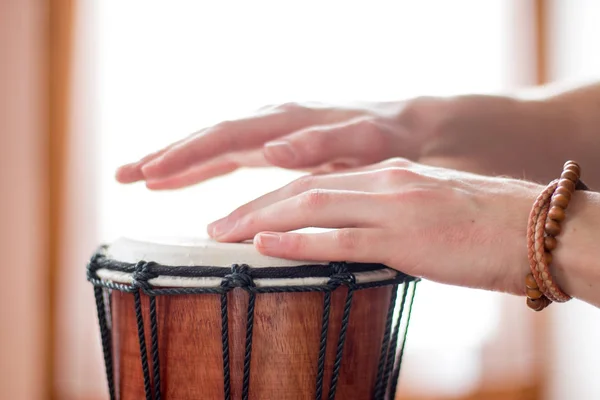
column 281, row 150
column 267, row 240
column 219, row 227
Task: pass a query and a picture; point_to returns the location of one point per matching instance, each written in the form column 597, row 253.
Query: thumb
column 358, row 141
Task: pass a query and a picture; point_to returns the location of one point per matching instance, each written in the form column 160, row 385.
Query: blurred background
column 88, row 85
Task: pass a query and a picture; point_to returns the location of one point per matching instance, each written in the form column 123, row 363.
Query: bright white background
column 165, row 71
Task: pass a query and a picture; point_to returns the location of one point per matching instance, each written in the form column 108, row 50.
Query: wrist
column 495, row 135
column 576, row 265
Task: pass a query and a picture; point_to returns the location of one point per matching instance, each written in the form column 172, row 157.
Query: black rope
column 385, row 345
column 105, row 335
column 300, row 271
column 340, row 346
column 225, row 344
column 341, row 275
column 142, row 341
column 248, row 353
column 323, row 345
column 155, row 357
column 278, row 289
column 396, row 374
column 141, row 276
column 391, row 356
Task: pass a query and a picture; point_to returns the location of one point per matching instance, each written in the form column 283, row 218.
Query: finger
column 132, row 172
column 383, row 177
column 212, row 169
column 349, row 244
column 358, row 181
column 193, row 176
column 231, row 136
column 356, row 142
column 315, row 208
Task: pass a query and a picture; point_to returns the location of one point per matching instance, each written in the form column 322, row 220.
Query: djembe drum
column 206, row 320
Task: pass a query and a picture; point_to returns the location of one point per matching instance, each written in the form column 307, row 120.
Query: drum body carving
column 212, row 321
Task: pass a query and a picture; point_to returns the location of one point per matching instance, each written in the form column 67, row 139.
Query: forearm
column 576, row 261
column 526, row 138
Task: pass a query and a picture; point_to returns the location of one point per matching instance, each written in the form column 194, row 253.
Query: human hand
column 311, row 137
column 447, row 226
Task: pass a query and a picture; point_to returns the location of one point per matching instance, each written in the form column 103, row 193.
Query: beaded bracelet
column 543, row 226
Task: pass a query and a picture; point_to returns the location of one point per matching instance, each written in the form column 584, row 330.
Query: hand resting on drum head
column 429, row 221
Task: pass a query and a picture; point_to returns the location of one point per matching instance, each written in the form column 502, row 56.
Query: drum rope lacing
column 242, row 276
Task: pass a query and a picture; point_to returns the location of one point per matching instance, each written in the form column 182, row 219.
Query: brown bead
column 575, row 169
column 561, row 190
column 552, row 228
column 569, row 162
column 538, row 304
column 572, row 166
column 567, row 184
column 534, row 294
column 548, row 258
column 556, row 213
column 550, row 243
column 530, row 282
column 570, row 175
column 560, row 200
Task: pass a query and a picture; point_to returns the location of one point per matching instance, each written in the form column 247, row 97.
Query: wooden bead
column 538, row 304
column 563, row 191
column 570, row 175
column 560, row 200
column 572, row 166
column 570, row 162
column 530, row 282
column 550, row 243
column 548, row 258
column 557, row 213
column 552, row 228
column 534, row 294
column 567, row 184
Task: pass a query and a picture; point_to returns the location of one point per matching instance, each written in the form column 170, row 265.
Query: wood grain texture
column 285, row 344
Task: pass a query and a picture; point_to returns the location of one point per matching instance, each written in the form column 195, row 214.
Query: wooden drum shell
column 285, row 344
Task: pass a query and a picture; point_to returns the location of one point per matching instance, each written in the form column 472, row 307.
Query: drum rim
column 106, row 271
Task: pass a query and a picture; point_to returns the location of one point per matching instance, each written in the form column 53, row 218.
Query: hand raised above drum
column 311, row 137
column 440, row 224
column 489, row 135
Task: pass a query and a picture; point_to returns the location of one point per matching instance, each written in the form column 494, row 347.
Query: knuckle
column 302, row 184
column 347, row 239
column 291, row 106
column 373, row 138
column 425, row 114
column 315, row 141
column 226, row 132
column 224, row 126
column 250, row 221
column 368, row 124
column 397, row 162
column 395, row 175
column 315, row 198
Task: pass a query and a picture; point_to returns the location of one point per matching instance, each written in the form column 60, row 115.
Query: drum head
column 194, row 252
